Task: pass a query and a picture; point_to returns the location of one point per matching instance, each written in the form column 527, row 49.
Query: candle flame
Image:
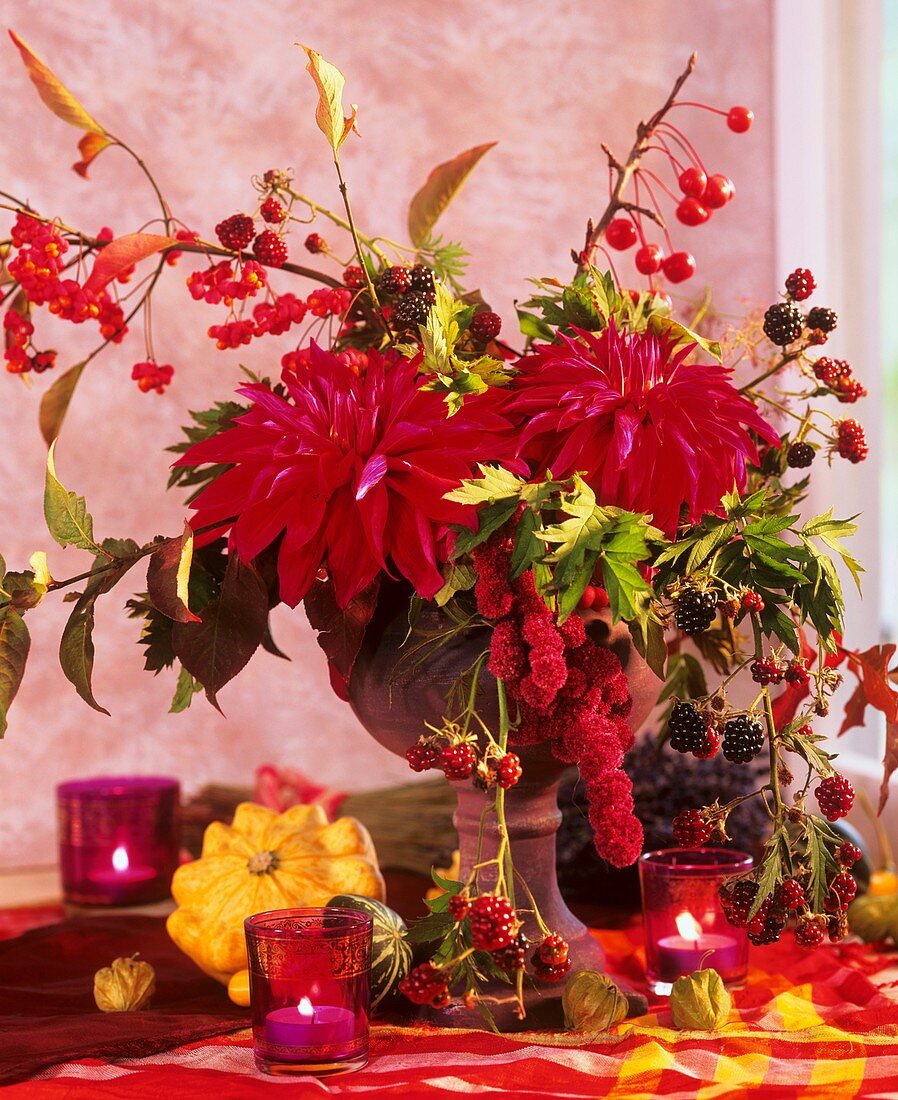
column 305, row 1008
column 120, row 859
column 688, row 927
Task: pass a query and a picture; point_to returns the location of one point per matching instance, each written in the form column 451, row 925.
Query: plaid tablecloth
column 823, row 1024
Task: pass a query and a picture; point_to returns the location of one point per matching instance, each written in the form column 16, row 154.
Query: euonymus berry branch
column 614, row 468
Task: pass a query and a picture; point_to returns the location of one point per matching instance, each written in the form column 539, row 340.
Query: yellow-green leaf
column 329, row 113
column 55, row 403
column 53, row 92
column 68, row 519
column 38, row 563
column 14, row 645
column 440, row 188
column 76, row 651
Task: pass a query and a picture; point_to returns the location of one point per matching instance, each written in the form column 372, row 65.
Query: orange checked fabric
column 816, row 1025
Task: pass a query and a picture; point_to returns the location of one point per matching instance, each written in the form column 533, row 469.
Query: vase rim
column 695, row 861
column 325, row 922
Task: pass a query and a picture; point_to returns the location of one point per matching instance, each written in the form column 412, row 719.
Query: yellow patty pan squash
column 264, row 860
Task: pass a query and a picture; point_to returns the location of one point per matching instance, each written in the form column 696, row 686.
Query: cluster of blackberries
column 415, row 291
column 784, row 321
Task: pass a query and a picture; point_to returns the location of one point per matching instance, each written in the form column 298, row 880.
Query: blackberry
column 459, row 905
column 413, row 308
column 395, row 280
column 425, row 985
column 695, row 610
column 514, row 956
column 485, row 326
column 783, row 323
column 771, row 929
column 458, row 761
column 800, row 456
column 554, row 950
column 421, row 278
column 790, row 894
column 737, row 900
column 800, row 284
column 269, row 248
column 422, row 758
column 823, row 319
column 848, row 854
column 686, row 728
column 354, row 276
column 844, row 887
column 550, row 974
column 509, row 770
column 743, row 739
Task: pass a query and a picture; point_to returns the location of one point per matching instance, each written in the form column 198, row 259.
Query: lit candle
column 307, row 1025
column 693, row 948
column 121, row 873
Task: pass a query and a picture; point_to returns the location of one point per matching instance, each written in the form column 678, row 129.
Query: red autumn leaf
column 872, row 669
column 855, row 709
column 90, row 146
column 168, row 577
column 122, row 253
column 889, row 762
column 787, row 703
column 340, row 630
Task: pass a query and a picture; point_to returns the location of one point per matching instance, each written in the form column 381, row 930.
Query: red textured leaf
column 90, row 147
column 122, row 253
column 340, row 630
column 168, row 577
column 855, row 709
column 872, row 669
column 229, row 632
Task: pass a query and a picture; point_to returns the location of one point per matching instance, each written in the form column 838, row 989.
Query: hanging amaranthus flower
column 351, row 471
column 648, row 428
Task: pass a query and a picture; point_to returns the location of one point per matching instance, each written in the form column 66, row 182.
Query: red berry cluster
column 315, row 243
column 551, row 960
column 152, row 376
column 354, row 277
column 837, row 376
column 461, row 759
column 426, row 985
column 568, row 690
column 272, row 318
column 692, row 829
column 269, row 247
column 485, row 326
column 851, row 443
column 835, row 797
column 217, row 283
column 38, row 266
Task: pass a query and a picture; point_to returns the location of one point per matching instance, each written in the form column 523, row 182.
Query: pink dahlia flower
column 648, row 429
column 351, row 471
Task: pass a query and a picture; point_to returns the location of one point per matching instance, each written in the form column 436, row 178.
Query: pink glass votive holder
column 119, row 839
column 685, row 928
column 310, row 973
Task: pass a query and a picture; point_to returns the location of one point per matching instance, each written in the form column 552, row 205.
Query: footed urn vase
column 393, row 697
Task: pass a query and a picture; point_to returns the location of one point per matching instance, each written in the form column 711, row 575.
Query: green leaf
column 491, row 517
column 707, row 544
column 55, row 402
column 527, row 547
column 229, row 632
column 431, row 928
column 439, row 189
column 820, row 859
column 496, row 483
column 185, row 690
column 775, row 851
column 460, row 577
column 666, row 326
column 68, row 519
column 15, row 643
column 76, row 650
column 329, row 113
column 647, row 632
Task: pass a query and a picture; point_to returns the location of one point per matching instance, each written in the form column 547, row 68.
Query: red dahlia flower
column 648, row 430
column 351, row 470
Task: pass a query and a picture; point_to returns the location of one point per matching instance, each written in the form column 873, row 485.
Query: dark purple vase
column 393, row 697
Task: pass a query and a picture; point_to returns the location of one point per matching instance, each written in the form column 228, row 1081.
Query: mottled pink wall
column 212, row 93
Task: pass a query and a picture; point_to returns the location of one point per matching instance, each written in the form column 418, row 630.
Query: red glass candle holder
column 685, row 928
column 310, row 973
column 119, row 839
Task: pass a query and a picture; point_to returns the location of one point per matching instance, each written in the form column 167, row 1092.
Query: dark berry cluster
column 686, row 728
column 695, row 609
column 800, row 455
column 783, row 323
column 743, row 738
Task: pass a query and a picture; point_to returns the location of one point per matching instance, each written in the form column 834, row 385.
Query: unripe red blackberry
column 686, row 727
column 790, row 894
column 691, row 830
column 849, row 390
column 711, row 745
column 459, row 906
column 851, row 443
column 235, row 232
column 424, row 985
column 831, row 371
column 695, row 610
column 354, row 276
column 485, row 326
column 554, row 950
column 835, row 797
column 800, row 284
column 844, row 887
column 810, row 931
column 493, row 922
column 315, row 243
column 512, row 957
column 458, row 761
column 766, row 670
column 394, row 280
column 848, row 854
column 422, row 758
column 508, row 771
column 550, row 974
column 737, row 899
column 770, row 930
column 751, row 601
column 743, row 739
column 823, row 319
column 796, row 675
column 272, row 211
column 269, row 248
column 783, row 323
column 800, row 455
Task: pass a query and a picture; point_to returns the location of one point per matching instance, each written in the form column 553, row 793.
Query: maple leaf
column 875, row 688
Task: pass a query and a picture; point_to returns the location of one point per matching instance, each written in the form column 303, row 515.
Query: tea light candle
column 309, row 1025
column 693, row 948
column 121, row 872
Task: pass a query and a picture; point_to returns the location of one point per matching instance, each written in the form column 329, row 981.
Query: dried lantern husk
column 125, row 986
column 592, row 1002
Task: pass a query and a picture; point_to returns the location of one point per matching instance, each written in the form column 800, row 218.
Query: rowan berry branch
column 624, row 172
